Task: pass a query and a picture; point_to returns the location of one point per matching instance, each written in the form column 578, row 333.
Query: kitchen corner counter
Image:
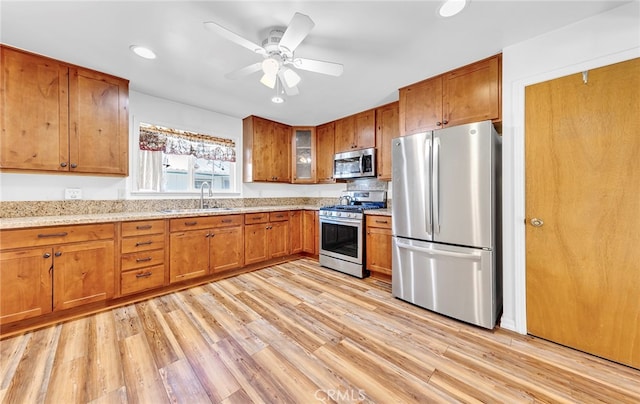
column 379, row 212
column 40, row 221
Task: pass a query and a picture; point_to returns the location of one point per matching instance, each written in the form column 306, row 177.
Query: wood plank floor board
column 296, row 333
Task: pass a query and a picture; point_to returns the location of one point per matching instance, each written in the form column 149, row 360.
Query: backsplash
column 82, row 207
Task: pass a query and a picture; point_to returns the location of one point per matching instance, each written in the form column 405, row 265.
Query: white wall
column 604, row 39
column 146, row 108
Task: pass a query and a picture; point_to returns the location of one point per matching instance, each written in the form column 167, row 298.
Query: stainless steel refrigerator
column 446, row 187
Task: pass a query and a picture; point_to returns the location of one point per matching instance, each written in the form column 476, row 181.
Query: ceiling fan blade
column 298, row 29
column 289, row 80
column 245, row 71
column 233, row 37
column 269, row 80
column 319, row 66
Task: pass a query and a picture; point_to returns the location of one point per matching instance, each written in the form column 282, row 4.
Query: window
column 172, row 160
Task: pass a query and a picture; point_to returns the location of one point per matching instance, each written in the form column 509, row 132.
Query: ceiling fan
column 278, row 53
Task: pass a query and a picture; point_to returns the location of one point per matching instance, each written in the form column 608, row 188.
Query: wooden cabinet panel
column 325, row 135
column 387, row 128
column 295, row 231
column 278, row 239
column 309, row 234
column 253, row 218
column 63, row 118
column 142, row 243
column 99, row 133
column 226, row 248
column 189, row 255
column 83, row 273
column 267, row 150
column 22, row 238
column 378, row 245
column 344, row 134
column 142, row 279
column 142, row 259
column 35, row 126
column 26, row 289
column 255, row 243
column 365, row 129
column 204, row 222
column 421, row 106
column 472, row 93
column 138, row 228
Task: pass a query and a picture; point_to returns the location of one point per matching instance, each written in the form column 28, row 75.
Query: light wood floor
column 295, row 333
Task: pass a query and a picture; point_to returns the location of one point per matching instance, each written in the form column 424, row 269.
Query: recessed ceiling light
column 451, row 7
column 142, row 52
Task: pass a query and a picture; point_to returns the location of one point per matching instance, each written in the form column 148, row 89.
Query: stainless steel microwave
column 355, row 164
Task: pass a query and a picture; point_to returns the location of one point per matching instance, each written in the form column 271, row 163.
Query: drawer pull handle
column 58, row 253
column 144, row 243
column 279, row 215
column 143, row 259
column 381, row 221
column 190, row 223
column 62, row 234
column 257, row 218
column 144, row 275
column 145, row 227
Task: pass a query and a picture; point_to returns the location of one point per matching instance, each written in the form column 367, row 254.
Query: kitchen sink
column 195, row 210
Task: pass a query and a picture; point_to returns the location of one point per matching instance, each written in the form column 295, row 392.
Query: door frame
column 513, row 193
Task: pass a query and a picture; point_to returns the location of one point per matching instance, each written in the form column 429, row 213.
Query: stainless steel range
column 342, row 231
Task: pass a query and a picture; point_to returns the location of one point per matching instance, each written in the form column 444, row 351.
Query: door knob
column 535, row 222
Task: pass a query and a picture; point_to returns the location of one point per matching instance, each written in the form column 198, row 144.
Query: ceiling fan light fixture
column 451, row 7
column 270, row 66
column 268, row 80
column 291, row 78
column 142, row 51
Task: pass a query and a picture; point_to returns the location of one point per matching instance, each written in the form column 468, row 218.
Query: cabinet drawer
column 253, row 218
column 142, row 227
column 55, row 235
column 379, row 221
column 142, row 259
column 278, row 216
column 204, row 222
column 142, row 279
column 142, row 243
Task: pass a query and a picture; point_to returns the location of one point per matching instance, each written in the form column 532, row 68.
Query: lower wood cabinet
column 55, row 268
column 378, row 245
column 142, row 263
column 296, row 231
column 203, row 245
column 266, row 236
column 310, row 232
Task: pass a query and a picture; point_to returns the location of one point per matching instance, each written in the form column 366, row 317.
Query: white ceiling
column 383, row 45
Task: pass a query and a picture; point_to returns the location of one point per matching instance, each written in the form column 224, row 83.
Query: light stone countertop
column 39, row 221
column 379, row 212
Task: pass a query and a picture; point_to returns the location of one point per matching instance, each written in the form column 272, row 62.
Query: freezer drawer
column 458, row 282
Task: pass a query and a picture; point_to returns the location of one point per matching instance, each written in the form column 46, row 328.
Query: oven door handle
column 357, row 222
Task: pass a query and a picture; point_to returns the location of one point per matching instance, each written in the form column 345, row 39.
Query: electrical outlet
column 72, row 193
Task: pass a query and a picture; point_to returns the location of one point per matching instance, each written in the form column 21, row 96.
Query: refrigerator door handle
column 427, row 169
column 436, row 185
column 476, row 255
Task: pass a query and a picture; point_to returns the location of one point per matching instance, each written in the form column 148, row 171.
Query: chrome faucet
column 202, row 204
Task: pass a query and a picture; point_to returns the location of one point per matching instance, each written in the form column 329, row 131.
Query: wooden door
column 472, row 93
column 25, row 290
column 189, row 255
column 295, row 231
column 344, row 134
column 309, row 241
column 303, row 155
column 387, row 128
column 99, row 131
column 278, row 239
column 378, row 245
column 421, row 106
column 226, row 248
column 35, row 112
column 583, row 184
column 365, row 129
column 326, row 150
column 260, row 149
column 256, row 248
column 83, row 273
column 280, row 146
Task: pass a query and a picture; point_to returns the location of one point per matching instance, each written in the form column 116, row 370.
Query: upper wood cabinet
column 63, row 118
column 355, row 131
column 325, row 137
column 267, row 150
column 469, row 94
column 387, row 127
column 303, row 149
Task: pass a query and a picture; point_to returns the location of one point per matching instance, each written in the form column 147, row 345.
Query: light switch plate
column 72, row 193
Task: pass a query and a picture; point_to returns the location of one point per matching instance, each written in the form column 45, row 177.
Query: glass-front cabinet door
column 303, row 161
